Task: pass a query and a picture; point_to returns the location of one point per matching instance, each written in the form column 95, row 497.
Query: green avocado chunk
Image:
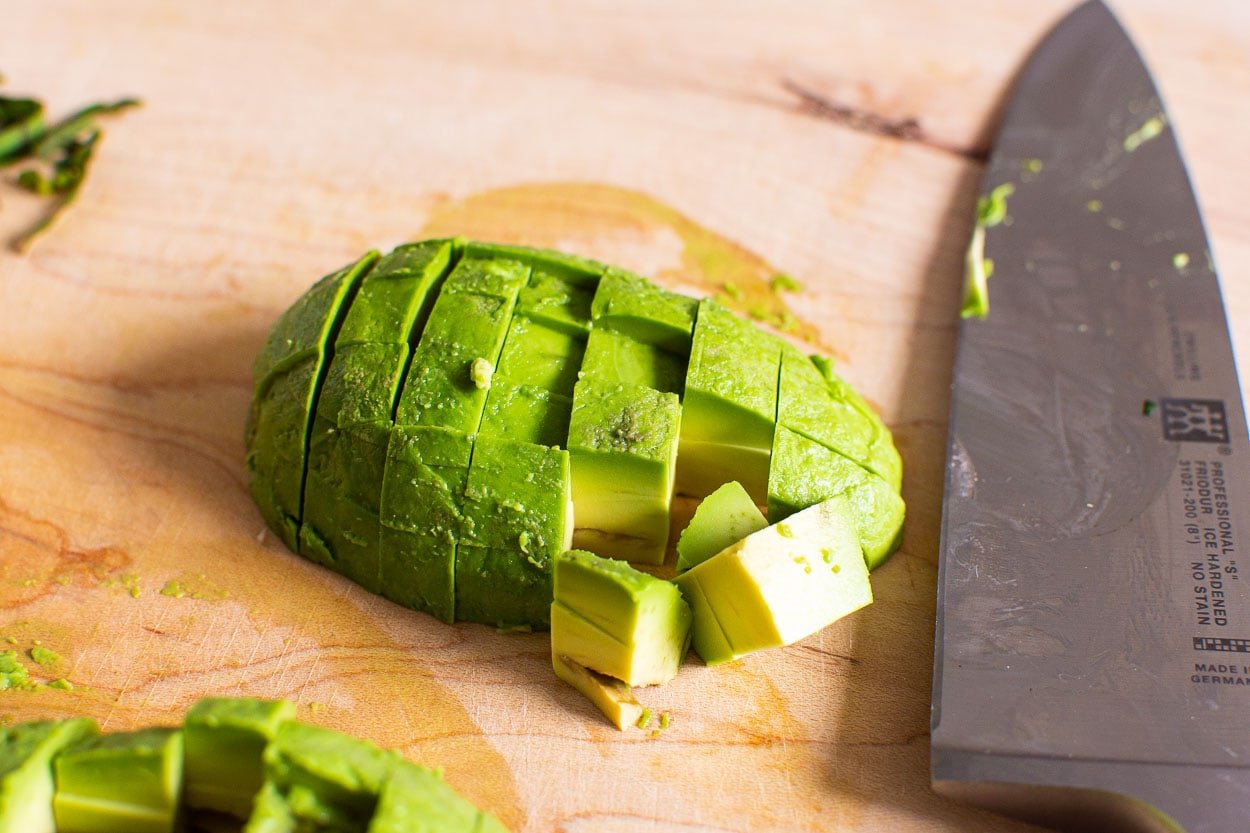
column 730, row 404
column 26, row 784
column 623, row 448
column 395, row 297
column 130, row 781
column 632, row 305
column 423, row 488
column 615, row 620
column 615, row 358
column 883, row 457
column 722, row 519
column 804, row 473
column 468, row 322
column 526, row 413
column 517, row 517
column 573, row 269
column 539, row 355
column 778, row 585
column 224, row 742
column 417, row 800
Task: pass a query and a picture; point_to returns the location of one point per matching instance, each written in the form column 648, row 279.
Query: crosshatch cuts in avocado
column 439, row 423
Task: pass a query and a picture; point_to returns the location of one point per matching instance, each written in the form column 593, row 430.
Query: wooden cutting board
column 703, row 143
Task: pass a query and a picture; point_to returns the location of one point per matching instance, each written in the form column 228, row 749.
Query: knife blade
column 1092, row 658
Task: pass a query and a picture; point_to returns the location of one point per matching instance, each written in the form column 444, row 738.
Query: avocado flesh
column 416, row 800
column 730, row 401
column 780, row 584
column 610, row 696
column 224, row 742
column 804, row 473
column 345, row 774
column 723, row 518
column 526, row 413
column 129, row 781
column 883, row 457
column 615, row 358
column 536, row 354
column 623, row 448
column 516, row 518
column 647, row 313
column 618, row 621
column 423, row 486
column 397, row 294
column 468, row 322
column 26, row 782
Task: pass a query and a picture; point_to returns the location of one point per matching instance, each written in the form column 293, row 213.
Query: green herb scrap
column 61, row 153
column 991, row 211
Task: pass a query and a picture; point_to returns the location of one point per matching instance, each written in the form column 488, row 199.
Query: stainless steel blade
column 1092, row 665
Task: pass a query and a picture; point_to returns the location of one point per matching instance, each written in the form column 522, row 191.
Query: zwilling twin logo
column 1194, row 420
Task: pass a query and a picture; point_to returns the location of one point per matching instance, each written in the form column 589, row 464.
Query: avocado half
column 440, row 422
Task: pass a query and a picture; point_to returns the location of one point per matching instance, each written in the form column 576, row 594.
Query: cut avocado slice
column 224, row 743
column 397, row 294
column 417, row 800
column 722, row 519
column 883, row 457
column 632, row 305
column 525, row 413
column 805, row 473
column 623, row 448
column 618, row 621
column 129, row 781
column 610, row 696
column 517, row 517
column 730, row 403
column 26, row 783
column 615, row 358
column 539, row 355
column 778, row 585
column 423, row 487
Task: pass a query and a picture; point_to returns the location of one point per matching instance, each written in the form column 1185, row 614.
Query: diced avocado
column 271, row 813
column 560, row 303
column 723, row 518
column 26, row 783
column 610, row 696
column 615, row 358
column 579, row 271
column 303, row 331
column 129, row 781
column 326, row 773
column 780, row 584
column 805, row 473
column 883, row 457
column 525, row 413
column 417, row 800
column 346, row 455
column 224, row 741
column 618, row 621
column 806, row 403
column 538, row 355
column 632, row 305
column 427, row 470
column 392, row 296
column 517, row 517
column 468, row 322
column 730, row 401
column 623, row 447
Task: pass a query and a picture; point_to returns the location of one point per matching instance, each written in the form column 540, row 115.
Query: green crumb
column 784, row 530
column 1093, row 206
column 30, row 582
column 654, row 733
column 1152, row 128
column 666, row 720
column 12, row 640
column 173, row 589
column 61, row 684
column 314, row 707
column 644, row 720
column 44, row 657
column 134, row 592
column 62, row 580
column 759, row 313
column 992, row 209
column 732, row 290
column 13, row 674
column 481, row 371
column 837, row 568
column 782, row 282
column 1180, row 260
column 1148, row 407
column 788, row 322
column 1032, row 166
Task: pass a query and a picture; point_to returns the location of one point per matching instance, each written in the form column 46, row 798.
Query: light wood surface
column 684, row 140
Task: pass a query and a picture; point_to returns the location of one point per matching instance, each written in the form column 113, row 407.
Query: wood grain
column 838, row 142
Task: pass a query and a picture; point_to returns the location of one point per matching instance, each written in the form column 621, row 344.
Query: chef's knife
column 1092, row 666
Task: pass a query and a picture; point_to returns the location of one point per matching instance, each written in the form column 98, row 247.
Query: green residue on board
column 44, row 657
column 61, row 684
column 782, row 282
column 193, row 587
column 1031, row 166
column 1149, row 130
column 13, row 675
column 173, row 588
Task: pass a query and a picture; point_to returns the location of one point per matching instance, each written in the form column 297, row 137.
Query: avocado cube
column 275, row 460
column 780, row 584
column 632, row 305
column 807, row 404
column 423, row 486
column 539, row 355
column 610, row 696
column 618, row 621
column 26, row 785
column 304, row 330
column 722, row 519
column 417, row 800
column 730, row 404
column 224, row 742
column 615, row 358
column 883, row 457
column 525, row 413
column 576, row 270
column 804, row 473
column 394, row 294
column 467, row 324
column 557, row 302
column 130, row 781
column 517, row 519
column 623, row 447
